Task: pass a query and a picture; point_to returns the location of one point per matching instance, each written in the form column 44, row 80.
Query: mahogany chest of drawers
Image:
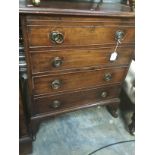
column 68, row 49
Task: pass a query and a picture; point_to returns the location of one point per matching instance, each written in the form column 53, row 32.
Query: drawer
column 76, row 36
column 61, row 34
column 77, row 80
column 73, row 100
column 58, row 60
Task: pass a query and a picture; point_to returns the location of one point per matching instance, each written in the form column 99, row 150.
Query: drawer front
column 71, row 100
column 51, row 61
column 77, row 80
column 76, row 36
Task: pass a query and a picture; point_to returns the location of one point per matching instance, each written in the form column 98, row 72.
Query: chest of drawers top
column 75, row 7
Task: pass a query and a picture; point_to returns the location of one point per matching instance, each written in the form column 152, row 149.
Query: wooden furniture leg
column 112, row 109
column 35, row 127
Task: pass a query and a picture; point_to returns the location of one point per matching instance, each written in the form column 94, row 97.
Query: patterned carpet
column 81, row 132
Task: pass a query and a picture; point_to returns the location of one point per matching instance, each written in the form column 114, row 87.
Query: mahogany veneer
column 74, row 59
column 77, row 80
column 71, row 100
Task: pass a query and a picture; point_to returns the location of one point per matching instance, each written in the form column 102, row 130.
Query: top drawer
column 48, row 32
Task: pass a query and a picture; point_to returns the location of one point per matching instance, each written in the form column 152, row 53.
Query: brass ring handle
column 104, row 94
column 57, row 37
column 56, row 84
column 119, row 35
column 57, row 62
column 55, row 104
column 107, row 77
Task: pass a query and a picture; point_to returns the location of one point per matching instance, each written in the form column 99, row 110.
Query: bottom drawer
column 76, row 99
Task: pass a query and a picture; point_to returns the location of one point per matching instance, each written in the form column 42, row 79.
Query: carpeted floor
column 81, row 132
